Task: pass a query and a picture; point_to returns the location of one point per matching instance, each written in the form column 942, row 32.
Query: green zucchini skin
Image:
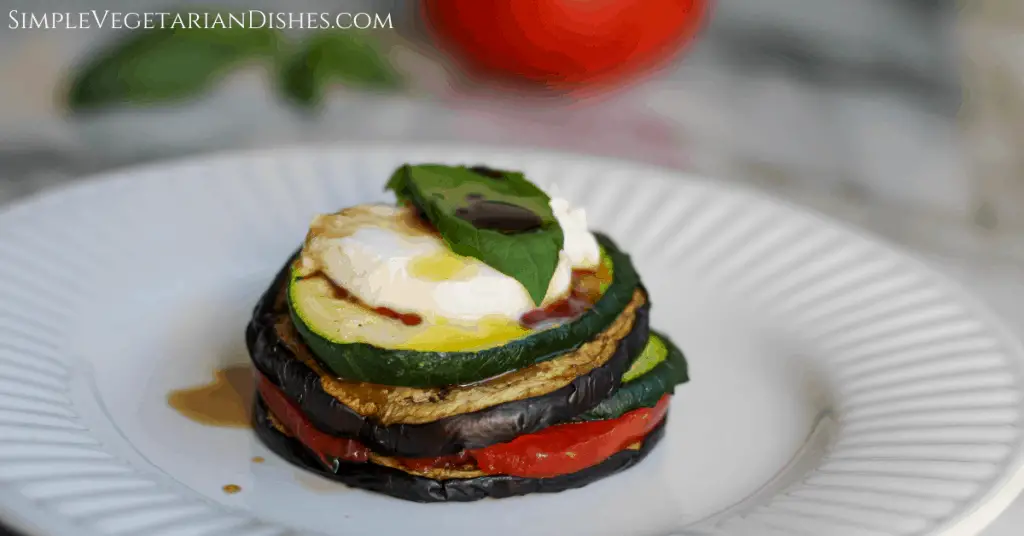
column 645, row 391
column 402, row 485
column 448, row 435
column 409, row 368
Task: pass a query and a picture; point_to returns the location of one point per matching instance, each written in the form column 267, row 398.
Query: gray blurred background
column 903, row 116
column 852, row 103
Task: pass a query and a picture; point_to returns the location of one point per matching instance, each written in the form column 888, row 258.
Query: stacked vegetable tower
column 473, row 340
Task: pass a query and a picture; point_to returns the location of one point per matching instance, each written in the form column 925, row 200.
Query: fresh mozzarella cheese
column 580, row 244
column 385, row 257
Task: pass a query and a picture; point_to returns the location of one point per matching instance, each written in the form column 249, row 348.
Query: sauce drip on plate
column 226, row 401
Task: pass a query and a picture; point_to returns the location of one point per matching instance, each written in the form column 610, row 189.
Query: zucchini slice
column 644, row 390
column 653, row 355
column 402, row 485
column 276, row 360
column 471, row 356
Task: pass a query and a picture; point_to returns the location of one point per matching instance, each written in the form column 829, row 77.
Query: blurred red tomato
column 564, row 43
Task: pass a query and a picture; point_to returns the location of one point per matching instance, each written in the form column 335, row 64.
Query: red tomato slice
column 556, row 450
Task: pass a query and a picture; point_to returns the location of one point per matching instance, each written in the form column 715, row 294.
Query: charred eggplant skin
column 402, row 485
column 448, row 435
column 367, row 363
column 645, row 391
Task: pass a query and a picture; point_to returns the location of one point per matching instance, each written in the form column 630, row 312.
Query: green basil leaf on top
column 493, row 215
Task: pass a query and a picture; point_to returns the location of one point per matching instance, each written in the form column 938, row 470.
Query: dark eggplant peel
column 399, row 401
column 411, row 487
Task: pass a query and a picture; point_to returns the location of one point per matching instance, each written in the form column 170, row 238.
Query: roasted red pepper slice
column 567, row 448
column 556, row 450
column 292, row 418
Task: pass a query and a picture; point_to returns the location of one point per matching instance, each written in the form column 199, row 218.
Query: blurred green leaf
column 169, row 64
column 330, row 57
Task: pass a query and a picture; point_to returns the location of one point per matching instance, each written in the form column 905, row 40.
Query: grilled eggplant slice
column 276, row 359
column 402, row 485
column 372, row 364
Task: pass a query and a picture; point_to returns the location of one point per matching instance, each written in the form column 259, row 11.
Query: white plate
column 838, row 387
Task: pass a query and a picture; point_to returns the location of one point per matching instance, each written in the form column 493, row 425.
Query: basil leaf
column 496, row 216
column 167, row 64
column 335, row 56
